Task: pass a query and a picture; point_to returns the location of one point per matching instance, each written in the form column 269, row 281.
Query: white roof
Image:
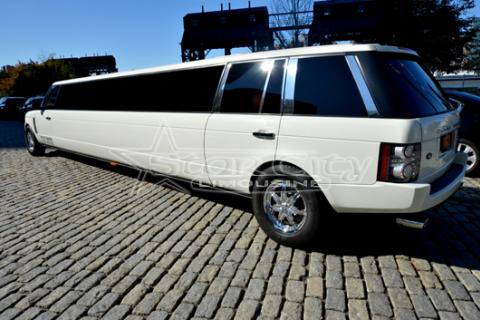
column 306, row 51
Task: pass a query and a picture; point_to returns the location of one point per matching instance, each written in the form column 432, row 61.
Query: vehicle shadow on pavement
column 452, row 236
column 223, row 197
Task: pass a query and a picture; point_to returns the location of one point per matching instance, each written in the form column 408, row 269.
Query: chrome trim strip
column 221, row 86
column 285, row 61
column 367, row 98
column 265, row 86
column 413, row 224
column 289, row 91
column 284, row 80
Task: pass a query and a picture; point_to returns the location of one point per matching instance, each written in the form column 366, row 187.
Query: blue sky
column 139, row 34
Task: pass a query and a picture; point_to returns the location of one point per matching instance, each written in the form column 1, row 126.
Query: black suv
column 470, row 130
column 10, row 107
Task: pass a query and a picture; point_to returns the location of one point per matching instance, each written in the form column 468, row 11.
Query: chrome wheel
column 284, row 206
column 472, row 156
column 30, row 142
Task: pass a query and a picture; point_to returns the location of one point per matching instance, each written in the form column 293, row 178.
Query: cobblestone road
column 81, row 240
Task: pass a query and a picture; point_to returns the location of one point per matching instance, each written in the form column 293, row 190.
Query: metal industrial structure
column 92, row 65
column 357, row 20
column 331, row 20
column 225, row 29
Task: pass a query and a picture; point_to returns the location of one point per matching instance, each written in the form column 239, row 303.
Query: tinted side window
column 36, row 103
column 200, row 89
column 244, row 88
column 10, row 103
column 181, row 91
column 273, row 96
column 72, row 96
column 325, row 87
column 51, row 97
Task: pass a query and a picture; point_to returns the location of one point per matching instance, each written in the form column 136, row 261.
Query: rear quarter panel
column 340, row 150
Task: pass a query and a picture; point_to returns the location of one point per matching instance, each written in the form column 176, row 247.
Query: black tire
column 34, row 147
column 309, row 197
column 473, row 154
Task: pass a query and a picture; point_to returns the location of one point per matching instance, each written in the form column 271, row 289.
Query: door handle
column 48, row 118
column 264, row 135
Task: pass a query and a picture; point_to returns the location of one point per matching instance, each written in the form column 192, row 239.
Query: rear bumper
column 384, row 197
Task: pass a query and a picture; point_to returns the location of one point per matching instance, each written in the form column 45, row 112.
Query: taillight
column 399, row 163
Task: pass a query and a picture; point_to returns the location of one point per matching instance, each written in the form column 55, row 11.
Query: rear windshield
column 402, row 87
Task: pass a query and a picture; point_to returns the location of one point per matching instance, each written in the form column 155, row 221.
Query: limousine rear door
column 242, row 134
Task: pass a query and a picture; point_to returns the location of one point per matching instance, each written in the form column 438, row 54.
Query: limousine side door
column 242, row 134
column 43, row 119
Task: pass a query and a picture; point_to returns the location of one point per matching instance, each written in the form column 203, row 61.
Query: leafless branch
column 294, row 17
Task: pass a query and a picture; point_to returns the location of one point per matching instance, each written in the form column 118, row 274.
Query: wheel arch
column 30, row 124
column 27, row 127
column 270, row 164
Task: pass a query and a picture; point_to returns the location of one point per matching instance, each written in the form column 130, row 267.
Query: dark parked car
column 470, row 130
column 10, row 106
column 33, row 103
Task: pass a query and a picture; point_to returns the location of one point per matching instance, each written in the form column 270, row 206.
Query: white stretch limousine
column 364, row 127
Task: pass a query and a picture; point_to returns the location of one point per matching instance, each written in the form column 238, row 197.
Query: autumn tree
column 6, row 80
column 33, row 78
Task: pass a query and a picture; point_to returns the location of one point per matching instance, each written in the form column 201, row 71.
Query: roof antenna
column 221, row 6
column 229, row 6
column 249, row 4
column 203, row 9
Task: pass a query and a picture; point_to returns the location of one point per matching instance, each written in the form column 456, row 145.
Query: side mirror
column 457, row 104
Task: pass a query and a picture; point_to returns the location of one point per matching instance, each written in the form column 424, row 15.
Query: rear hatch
column 439, row 140
column 403, row 88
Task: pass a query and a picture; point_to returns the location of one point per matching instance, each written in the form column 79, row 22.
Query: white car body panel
column 340, row 150
column 169, row 143
column 383, row 197
column 233, row 153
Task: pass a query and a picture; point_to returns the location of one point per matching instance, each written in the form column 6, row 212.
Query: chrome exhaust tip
column 419, row 224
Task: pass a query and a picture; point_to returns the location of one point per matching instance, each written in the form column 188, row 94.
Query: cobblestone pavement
column 79, row 239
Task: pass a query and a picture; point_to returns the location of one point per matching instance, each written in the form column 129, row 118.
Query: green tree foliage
column 439, row 30
column 472, row 61
column 33, row 78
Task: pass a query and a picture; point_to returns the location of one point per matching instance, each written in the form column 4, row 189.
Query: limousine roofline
column 296, row 52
